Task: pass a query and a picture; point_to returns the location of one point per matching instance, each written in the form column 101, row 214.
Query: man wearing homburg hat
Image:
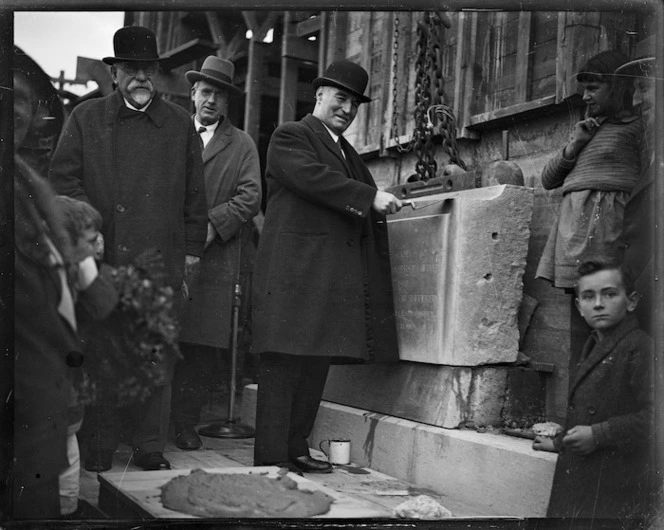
column 322, row 288
column 136, row 159
column 233, row 189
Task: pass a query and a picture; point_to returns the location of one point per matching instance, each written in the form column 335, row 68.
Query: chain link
column 394, row 130
column 425, row 167
column 430, row 97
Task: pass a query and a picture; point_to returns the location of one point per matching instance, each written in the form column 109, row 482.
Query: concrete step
column 490, row 474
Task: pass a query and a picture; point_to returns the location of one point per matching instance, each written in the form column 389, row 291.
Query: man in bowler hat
column 136, row 158
column 233, row 190
column 322, row 288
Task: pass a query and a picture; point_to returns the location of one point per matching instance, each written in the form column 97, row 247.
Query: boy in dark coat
column 604, row 464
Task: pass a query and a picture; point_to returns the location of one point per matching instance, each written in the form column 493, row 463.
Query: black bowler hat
column 217, row 71
column 346, row 75
column 133, row 43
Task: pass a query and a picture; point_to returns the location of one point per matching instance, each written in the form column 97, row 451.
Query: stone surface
column 501, row 172
column 547, row 338
column 495, row 474
column 445, row 396
column 457, row 265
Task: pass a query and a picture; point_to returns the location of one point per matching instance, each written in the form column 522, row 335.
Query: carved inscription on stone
column 420, row 262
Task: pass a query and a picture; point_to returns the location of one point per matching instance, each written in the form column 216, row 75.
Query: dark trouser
column 195, row 374
column 146, row 422
column 290, row 388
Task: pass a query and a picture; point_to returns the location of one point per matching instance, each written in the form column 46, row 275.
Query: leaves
column 131, row 350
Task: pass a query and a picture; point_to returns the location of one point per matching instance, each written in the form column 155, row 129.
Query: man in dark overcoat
column 322, row 286
column 136, row 158
column 233, row 190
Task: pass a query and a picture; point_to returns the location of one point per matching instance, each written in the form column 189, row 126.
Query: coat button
column 592, row 410
column 74, row 359
column 120, row 208
column 350, row 242
column 571, row 406
column 122, row 248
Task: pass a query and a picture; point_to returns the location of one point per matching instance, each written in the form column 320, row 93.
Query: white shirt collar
column 334, row 135
column 142, row 109
column 210, row 128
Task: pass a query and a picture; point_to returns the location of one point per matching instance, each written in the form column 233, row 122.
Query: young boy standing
column 604, row 465
column 95, row 299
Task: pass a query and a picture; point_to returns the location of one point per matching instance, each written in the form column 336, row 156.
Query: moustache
column 138, row 86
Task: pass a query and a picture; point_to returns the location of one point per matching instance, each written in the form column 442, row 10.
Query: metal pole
column 231, row 428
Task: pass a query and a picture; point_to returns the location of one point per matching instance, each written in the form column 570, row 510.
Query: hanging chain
column 394, row 130
column 430, row 98
column 442, row 111
column 422, row 134
column 445, row 117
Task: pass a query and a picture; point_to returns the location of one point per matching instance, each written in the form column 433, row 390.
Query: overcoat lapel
column 220, row 139
column 353, row 161
column 599, row 351
column 327, row 140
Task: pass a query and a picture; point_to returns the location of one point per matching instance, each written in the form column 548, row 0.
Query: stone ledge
column 498, row 475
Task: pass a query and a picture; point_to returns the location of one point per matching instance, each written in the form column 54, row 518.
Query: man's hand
column 580, row 440
column 543, row 443
column 191, row 268
column 386, row 203
column 211, row 234
column 87, row 272
column 582, row 134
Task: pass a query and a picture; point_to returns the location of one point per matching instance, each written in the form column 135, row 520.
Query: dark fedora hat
column 346, row 75
column 133, row 43
column 217, row 71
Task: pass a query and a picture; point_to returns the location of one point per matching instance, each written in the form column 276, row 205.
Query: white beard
column 141, row 97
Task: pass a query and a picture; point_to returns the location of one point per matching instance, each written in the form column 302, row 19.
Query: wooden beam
column 323, row 37
column 253, row 88
column 308, row 27
column 332, row 5
column 215, row 30
column 258, row 28
column 231, row 47
column 299, row 48
column 94, row 70
column 186, row 53
column 288, row 84
column 337, row 31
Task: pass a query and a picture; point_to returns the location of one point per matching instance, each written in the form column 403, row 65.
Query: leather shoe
column 188, row 439
column 311, row 465
column 98, row 462
column 292, row 468
column 288, row 466
column 151, row 461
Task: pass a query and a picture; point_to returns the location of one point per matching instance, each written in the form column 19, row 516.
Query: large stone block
column 458, row 260
column 445, row 396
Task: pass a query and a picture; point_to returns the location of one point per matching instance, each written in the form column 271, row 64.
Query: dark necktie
column 343, row 155
column 201, row 130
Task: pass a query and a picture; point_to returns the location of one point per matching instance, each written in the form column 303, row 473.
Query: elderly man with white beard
column 136, row 158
